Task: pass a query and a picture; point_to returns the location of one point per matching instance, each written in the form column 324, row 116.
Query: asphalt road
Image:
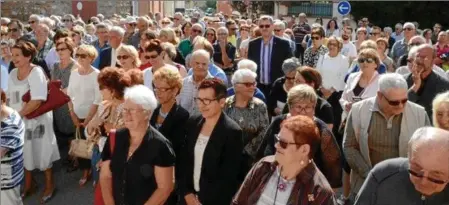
column 68, row 192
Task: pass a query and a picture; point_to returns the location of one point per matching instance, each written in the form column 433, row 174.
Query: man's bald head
column 432, row 139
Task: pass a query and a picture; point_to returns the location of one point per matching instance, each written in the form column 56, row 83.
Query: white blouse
column 272, row 191
column 333, row 71
column 200, row 147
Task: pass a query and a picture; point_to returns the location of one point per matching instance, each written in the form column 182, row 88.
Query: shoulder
column 258, row 102
column 322, row 102
column 352, row 76
column 230, row 124
column 181, row 112
column 37, row 70
column 253, row 41
column 281, row 40
column 389, row 168
column 279, row 82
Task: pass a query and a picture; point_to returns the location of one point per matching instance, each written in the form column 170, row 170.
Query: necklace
column 163, row 115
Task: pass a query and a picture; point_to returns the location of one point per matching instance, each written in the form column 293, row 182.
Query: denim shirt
column 215, row 71
column 96, row 44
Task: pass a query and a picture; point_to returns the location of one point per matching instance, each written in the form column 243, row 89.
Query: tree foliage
column 388, row 13
column 211, row 4
column 256, row 7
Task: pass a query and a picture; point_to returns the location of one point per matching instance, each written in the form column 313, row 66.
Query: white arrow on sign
column 343, row 8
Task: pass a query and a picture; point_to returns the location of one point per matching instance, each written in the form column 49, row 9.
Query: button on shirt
column 265, row 62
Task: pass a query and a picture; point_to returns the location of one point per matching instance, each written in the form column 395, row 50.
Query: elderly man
column 398, row 34
column 186, row 45
column 44, row 44
column 108, row 57
column 400, row 47
column 388, row 31
column 34, row 21
column 142, row 25
column 279, row 31
column 200, row 61
column 424, row 83
column 379, row 128
column 178, row 20
column 15, row 29
column 101, row 44
column 421, row 178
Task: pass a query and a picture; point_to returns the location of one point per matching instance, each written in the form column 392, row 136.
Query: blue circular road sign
column 344, row 7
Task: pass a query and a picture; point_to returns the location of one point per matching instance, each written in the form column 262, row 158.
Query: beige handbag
column 81, row 148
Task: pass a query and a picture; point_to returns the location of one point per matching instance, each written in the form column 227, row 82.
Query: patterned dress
column 63, row 121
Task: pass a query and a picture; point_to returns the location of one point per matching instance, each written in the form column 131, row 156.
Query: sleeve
column 367, row 194
column 351, row 150
column 165, row 156
column 262, row 115
column 38, row 84
column 70, row 89
column 231, row 53
column 106, row 154
column 427, row 121
column 222, row 76
column 271, row 104
column 331, row 156
column 412, row 96
column 345, row 96
column 98, row 97
column 327, row 114
column 10, row 136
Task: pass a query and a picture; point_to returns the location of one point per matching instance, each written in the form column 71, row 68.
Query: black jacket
column 105, row 59
column 221, row 161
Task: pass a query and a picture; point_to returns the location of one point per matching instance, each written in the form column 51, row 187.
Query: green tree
column 211, row 4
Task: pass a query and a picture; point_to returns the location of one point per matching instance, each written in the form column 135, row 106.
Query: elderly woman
column 440, row 106
column 382, row 46
column 11, row 153
column 355, row 67
column 171, row 56
column 302, row 100
column 128, row 57
column 40, row 147
column 85, row 97
column 278, row 93
column 291, row 176
column 211, row 35
column 213, row 150
column 5, row 54
column 142, row 156
column 224, row 52
column 252, row 66
column 168, row 35
column 312, row 54
column 311, row 77
column 44, row 44
column 52, row 55
column 361, row 37
column 250, row 113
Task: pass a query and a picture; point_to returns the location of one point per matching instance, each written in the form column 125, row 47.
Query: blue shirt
column 13, row 136
column 215, row 71
column 258, row 94
column 381, row 70
column 265, row 62
column 96, row 62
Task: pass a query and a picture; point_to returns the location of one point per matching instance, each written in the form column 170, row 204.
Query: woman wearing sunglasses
column 291, row 176
column 127, row 57
column 302, row 100
column 85, row 97
column 250, row 113
column 317, row 49
column 211, row 35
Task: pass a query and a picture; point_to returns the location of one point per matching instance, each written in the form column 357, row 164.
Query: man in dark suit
column 108, row 56
column 268, row 52
column 423, row 82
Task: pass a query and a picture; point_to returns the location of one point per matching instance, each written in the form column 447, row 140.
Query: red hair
column 305, row 131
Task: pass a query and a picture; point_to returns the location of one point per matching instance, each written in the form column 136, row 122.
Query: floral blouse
column 253, row 120
column 311, row 58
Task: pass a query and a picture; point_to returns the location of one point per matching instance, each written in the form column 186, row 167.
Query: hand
column 416, row 76
column 348, row 107
column 191, row 199
column 75, row 119
column 277, row 111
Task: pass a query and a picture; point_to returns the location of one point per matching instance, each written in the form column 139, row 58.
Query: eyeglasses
column 4, row 34
column 414, row 44
column 332, row 44
column 283, row 143
column 222, row 34
column 13, row 30
column 176, row 19
column 289, row 78
column 149, row 57
column 82, row 56
column 363, row 60
column 315, row 38
column 408, row 29
column 421, row 175
column 277, row 30
column 203, row 101
column 131, row 111
column 132, row 24
column 196, row 31
column 74, row 35
column 264, row 26
column 395, row 102
column 66, row 20
column 156, row 89
column 248, row 84
column 61, row 49
column 124, row 57
column 375, row 33
column 307, row 109
column 31, row 22
column 233, row 29
column 165, row 22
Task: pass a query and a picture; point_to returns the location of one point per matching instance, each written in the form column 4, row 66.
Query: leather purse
column 55, row 99
column 81, row 148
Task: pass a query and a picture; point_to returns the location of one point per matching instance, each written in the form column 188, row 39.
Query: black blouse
column 133, row 180
column 277, row 94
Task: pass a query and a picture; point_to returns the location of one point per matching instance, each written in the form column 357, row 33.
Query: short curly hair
column 170, row 76
column 114, row 79
column 28, row 49
column 136, row 76
column 305, row 131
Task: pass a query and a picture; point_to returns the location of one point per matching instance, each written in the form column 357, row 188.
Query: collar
column 230, row 102
column 303, row 177
column 190, row 78
column 270, row 42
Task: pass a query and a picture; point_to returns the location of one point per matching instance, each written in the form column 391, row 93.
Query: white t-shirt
column 349, row 50
column 84, row 91
column 333, row 71
column 113, row 56
column 148, row 75
column 245, row 43
column 4, row 78
column 200, row 147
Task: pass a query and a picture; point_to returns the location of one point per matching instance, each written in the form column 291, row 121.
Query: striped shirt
column 12, row 139
column 187, row 94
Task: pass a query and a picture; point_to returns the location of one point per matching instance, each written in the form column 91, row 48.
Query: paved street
column 68, row 191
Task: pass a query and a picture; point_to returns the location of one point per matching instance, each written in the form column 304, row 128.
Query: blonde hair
column 90, row 50
column 132, row 52
column 368, row 44
column 437, row 101
column 339, row 42
column 169, row 49
column 170, row 34
column 370, row 53
column 170, row 75
column 301, row 92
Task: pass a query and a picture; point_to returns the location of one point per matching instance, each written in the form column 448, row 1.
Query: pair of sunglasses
column 283, row 143
column 395, row 102
column 124, row 57
column 421, row 175
column 363, row 60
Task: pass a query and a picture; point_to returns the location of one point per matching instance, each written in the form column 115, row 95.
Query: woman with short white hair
column 249, row 112
column 252, row 66
column 145, row 154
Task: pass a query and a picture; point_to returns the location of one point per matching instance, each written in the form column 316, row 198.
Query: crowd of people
column 219, row 110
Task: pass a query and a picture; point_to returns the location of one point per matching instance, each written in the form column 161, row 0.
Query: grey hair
column 409, row 24
column 48, row 21
column 413, row 51
column 144, row 19
column 266, row 17
column 437, row 101
column 37, row 17
column 200, row 52
column 290, row 64
column 301, row 92
column 223, row 29
column 420, row 39
column 279, row 23
column 391, row 81
column 398, row 25
column 426, row 45
column 242, row 73
column 201, row 26
column 5, row 19
column 119, row 30
column 102, row 25
column 142, row 96
column 388, row 29
column 247, row 64
column 436, row 138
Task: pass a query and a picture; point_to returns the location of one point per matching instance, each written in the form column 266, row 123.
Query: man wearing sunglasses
column 400, row 47
column 380, row 127
column 15, row 29
column 419, row 179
